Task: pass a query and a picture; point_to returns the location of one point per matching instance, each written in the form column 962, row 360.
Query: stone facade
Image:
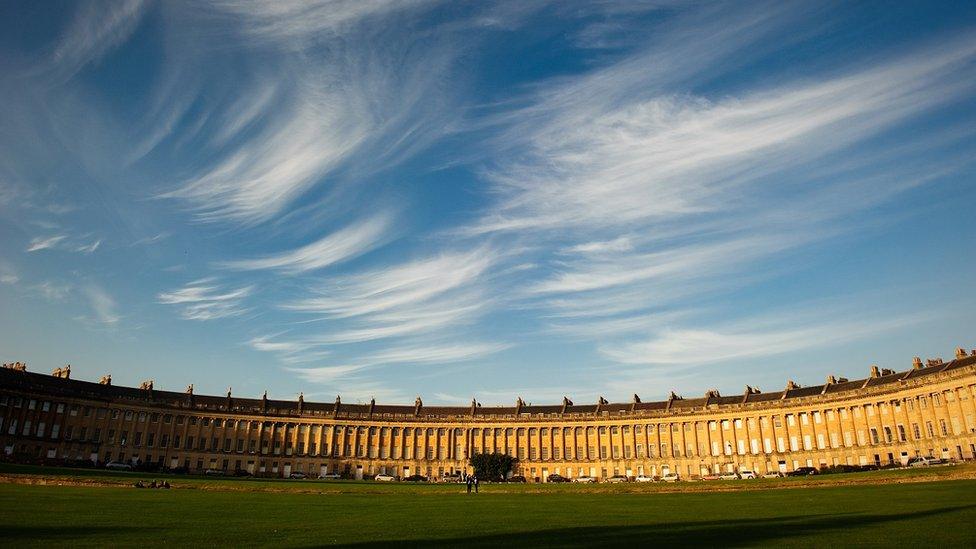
column 885, row 418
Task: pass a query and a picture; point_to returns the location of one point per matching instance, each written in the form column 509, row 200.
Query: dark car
column 802, row 472
column 556, row 478
column 517, row 478
column 415, row 478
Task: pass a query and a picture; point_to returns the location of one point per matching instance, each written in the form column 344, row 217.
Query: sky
column 384, row 199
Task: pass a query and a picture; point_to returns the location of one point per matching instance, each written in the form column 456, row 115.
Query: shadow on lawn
column 700, row 533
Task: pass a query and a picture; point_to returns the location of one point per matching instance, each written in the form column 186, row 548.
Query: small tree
column 493, row 466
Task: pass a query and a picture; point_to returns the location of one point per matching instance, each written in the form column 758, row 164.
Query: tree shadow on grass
column 725, row 533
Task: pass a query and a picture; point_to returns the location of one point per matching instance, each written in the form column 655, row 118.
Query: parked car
column 643, row 478
column 747, row 474
column 329, row 476
column 802, row 472
column 297, row 475
column 773, row 474
column 241, row 473
column 616, row 479
column 729, row 476
column 118, row 466
column 215, row 473
column 711, row 476
column 384, row 478
column 556, row 478
column 416, row 478
column 671, row 477
column 585, row 480
column 925, row 461
column 516, row 478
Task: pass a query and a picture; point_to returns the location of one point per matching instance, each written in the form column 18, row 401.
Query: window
column 942, row 427
column 916, row 431
column 901, row 433
column 928, row 428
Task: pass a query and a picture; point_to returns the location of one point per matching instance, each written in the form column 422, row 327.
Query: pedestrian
column 476, row 484
column 469, row 483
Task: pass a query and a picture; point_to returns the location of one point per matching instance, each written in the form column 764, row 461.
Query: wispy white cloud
column 98, row 27
column 89, row 248
column 206, row 300
column 357, row 103
column 148, row 240
column 45, row 243
column 103, row 306
column 339, row 246
column 300, row 21
column 418, row 355
column 749, row 338
column 8, row 275
column 648, row 197
column 401, row 286
column 53, row 291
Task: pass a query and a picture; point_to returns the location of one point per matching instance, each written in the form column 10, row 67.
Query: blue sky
column 383, row 199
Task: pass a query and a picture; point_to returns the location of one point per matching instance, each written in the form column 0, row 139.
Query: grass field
column 247, row 513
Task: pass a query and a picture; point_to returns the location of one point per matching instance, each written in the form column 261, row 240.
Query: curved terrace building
column 887, row 417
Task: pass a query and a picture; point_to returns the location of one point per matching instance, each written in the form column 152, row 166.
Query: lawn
column 938, row 514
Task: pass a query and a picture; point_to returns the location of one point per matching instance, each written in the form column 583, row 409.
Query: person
column 476, row 484
column 469, row 483
column 166, row 484
column 152, row 484
column 140, row 484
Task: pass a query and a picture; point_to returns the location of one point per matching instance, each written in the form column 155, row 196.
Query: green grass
column 937, row 514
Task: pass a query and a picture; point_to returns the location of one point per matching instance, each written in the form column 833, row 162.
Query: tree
column 493, row 466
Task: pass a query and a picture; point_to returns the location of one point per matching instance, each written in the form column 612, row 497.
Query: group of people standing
column 164, row 484
column 472, row 481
